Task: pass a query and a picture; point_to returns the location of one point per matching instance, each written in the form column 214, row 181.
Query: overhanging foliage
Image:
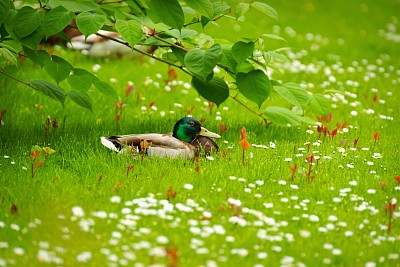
column 166, row 23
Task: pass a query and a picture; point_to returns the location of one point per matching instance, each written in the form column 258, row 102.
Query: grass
column 81, row 208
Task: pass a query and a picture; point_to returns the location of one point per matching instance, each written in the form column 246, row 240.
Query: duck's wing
column 157, row 144
column 204, row 143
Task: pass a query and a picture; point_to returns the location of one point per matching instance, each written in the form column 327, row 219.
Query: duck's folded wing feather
column 204, row 143
column 154, row 140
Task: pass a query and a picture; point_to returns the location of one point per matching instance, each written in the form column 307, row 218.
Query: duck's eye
column 191, row 123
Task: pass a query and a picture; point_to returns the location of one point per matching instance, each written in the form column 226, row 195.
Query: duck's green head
column 186, row 129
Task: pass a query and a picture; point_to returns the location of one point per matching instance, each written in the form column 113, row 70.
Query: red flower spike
column 172, row 254
column 170, row 193
column 310, row 159
column 129, row 89
column 222, row 128
column 328, row 117
column 383, row 185
column 323, row 130
column 172, row 74
column 243, row 133
column 294, row 168
column 356, row 141
column 39, row 164
column 244, row 144
column 397, row 179
column 2, row 112
column 376, row 136
column 48, row 121
column 129, row 167
column 320, row 118
column 341, row 126
column 120, row 104
column 13, row 209
column 54, row 123
column 333, row 133
column 35, row 154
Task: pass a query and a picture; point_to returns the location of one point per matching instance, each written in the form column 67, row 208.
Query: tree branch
column 16, row 79
column 181, row 67
column 138, row 50
column 115, row 2
column 249, row 109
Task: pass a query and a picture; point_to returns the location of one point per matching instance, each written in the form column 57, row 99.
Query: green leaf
column 214, row 90
column 282, row 116
column 49, row 89
column 179, row 54
column 244, row 67
column 27, row 21
column 80, row 82
column 254, row 85
column 202, row 62
column 58, row 68
column 74, row 5
column 10, row 69
column 204, row 21
column 89, row 23
column 13, row 46
column 266, row 9
column 81, row 72
column 319, row 104
column 5, row 6
column 8, row 23
column 168, row 12
column 274, row 36
column 294, row 94
column 81, row 99
column 220, row 7
column 182, row 34
column 227, row 59
column 106, row 89
column 33, row 40
column 274, row 56
column 241, row 9
column 204, row 7
column 130, row 30
column 242, row 50
column 37, row 56
column 4, row 52
column 56, row 20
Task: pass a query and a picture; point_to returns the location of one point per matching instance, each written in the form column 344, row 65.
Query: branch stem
column 142, row 52
column 15, row 79
column 249, row 109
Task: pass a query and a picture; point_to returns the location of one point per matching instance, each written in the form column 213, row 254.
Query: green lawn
column 82, row 208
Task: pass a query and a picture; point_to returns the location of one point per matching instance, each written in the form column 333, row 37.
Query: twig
column 115, row 2
column 142, row 52
column 16, row 79
column 249, row 109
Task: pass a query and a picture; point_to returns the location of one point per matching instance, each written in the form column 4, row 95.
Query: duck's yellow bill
column 207, row 133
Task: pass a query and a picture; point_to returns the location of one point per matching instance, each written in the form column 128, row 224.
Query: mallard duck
column 187, row 140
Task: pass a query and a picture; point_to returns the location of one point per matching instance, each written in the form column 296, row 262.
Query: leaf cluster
column 165, row 24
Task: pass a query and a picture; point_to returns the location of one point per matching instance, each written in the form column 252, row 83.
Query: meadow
column 301, row 197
